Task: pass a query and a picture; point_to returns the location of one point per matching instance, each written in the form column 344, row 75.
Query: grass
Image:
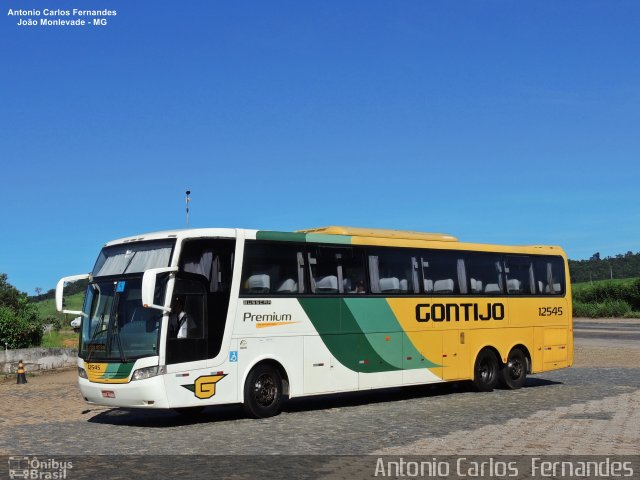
column 47, row 308
column 580, row 288
column 63, row 338
column 607, row 298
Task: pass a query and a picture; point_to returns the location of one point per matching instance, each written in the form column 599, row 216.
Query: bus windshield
column 133, row 258
column 115, row 325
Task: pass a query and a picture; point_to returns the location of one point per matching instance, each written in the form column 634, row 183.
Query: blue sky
column 502, row 122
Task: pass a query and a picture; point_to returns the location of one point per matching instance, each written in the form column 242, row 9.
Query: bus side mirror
column 60, row 293
column 149, row 287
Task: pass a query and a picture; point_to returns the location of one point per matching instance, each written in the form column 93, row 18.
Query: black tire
column 486, row 371
column 514, row 372
column 263, row 392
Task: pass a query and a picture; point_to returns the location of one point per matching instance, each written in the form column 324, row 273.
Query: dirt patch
column 54, row 397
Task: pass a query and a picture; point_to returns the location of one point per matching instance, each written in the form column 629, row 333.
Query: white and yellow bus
column 326, row 310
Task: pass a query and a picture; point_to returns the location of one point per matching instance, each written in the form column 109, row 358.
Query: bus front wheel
column 486, row 371
column 263, row 392
column 514, row 373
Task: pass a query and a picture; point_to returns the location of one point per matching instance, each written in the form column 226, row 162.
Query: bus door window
column 187, row 344
column 209, row 261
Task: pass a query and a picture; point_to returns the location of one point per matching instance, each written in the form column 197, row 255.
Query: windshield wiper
column 116, row 333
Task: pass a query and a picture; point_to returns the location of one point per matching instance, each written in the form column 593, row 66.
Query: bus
column 276, row 315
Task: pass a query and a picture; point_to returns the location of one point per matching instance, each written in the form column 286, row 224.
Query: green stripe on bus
column 118, row 370
column 383, row 331
column 373, row 339
column 282, row 236
column 303, row 237
column 330, row 317
column 325, row 238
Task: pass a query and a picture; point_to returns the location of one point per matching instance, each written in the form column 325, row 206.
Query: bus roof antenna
column 186, row 202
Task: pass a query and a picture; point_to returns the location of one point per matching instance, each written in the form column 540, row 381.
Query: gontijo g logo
column 205, row 386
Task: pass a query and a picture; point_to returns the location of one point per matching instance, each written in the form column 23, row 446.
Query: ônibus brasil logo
column 40, row 469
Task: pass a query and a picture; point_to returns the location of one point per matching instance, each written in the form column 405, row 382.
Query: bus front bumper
column 147, row 393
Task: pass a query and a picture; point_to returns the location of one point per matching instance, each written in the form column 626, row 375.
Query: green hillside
column 47, row 308
column 596, row 268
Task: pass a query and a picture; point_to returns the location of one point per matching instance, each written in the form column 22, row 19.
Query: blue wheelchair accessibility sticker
column 233, row 356
column 120, row 286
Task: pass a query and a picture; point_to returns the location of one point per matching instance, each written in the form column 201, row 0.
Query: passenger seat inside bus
column 443, row 286
column 260, row 283
column 328, row 284
column 514, row 286
column 389, row 285
column 288, row 286
column 428, row 285
column 557, row 288
column 476, row 286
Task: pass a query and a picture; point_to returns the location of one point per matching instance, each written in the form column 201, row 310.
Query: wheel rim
column 265, row 390
column 515, row 368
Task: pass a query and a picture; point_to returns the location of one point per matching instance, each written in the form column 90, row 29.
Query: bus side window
column 549, row 275
column 519, row 273
column 443, row 273
column 336, row 270
column 353, row 272
column 485, row 273
column 396, row 271
column 272, row 268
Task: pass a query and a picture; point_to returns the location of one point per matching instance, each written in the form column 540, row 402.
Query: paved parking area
column 593, row 408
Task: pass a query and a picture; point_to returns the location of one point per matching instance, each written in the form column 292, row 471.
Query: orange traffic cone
column 22, row 377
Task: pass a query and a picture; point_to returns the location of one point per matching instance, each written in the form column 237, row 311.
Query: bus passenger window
column 395, row 271
column 519, row 273
column 272, row 268
column 337, row 270
column 443, row 273
column 549, row 275
column 485, row 273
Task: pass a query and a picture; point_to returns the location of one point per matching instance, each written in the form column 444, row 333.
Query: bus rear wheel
column 263, row 392
column 514, row 372
column 486, row 371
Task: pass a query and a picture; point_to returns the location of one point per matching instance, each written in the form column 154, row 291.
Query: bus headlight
column 82, row 373
column 148, row 372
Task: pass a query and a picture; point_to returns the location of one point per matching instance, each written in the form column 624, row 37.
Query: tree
column 9, row 295
column 38, row 291
column 20, row 325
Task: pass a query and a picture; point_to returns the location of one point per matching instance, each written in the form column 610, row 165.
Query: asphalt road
column 607, row 330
